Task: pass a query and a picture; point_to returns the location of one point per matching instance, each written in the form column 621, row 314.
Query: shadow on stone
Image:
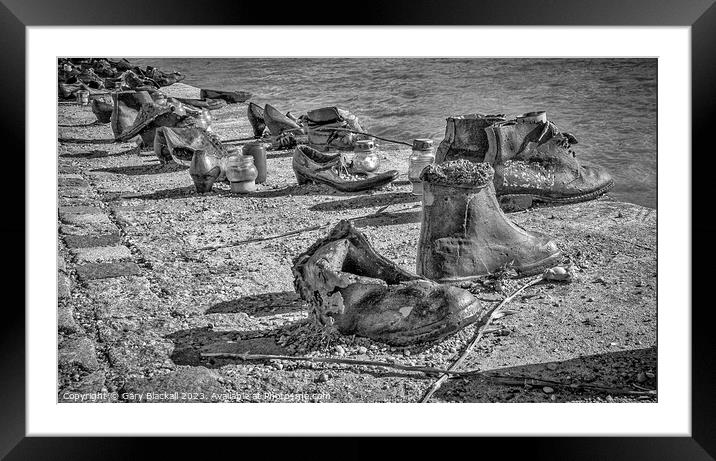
column 261, row 305
column 97, row 153
column 617, row 370
column 177, row 192
column 279, row 154
column 389, row 219
column 365, row 201
column 85, row 141
column 81, row 125
column 136, row 170
column 190, row 344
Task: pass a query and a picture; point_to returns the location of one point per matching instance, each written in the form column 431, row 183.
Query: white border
column 670, row 416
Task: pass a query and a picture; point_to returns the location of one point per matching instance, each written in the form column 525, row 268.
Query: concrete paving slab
column 91, row 271
column 102, row 254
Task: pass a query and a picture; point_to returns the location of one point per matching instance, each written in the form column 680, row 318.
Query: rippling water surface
column 608, row 104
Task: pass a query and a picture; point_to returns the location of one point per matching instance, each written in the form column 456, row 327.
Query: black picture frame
column 700, row 15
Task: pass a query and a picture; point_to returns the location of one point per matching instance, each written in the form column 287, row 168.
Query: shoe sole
column 438, row 330
column 520, row 202
column 523, row 271
column 304, row 179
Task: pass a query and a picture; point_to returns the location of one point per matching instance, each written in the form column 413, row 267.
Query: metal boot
column 464, row 233
column 255, row 115
column 126, row 105
column 349, row 286
column 533, row 160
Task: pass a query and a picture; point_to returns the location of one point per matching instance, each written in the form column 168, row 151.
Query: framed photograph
column 426, row 220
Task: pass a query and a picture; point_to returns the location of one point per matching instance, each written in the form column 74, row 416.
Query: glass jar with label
column 422, row 156
column 241, row 173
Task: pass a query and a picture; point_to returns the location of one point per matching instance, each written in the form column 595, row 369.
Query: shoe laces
column 342, row 168
column 565, row 141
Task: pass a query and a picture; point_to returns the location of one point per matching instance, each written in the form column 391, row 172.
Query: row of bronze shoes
column 98, row 75
column 94, row 74
column 464, row 235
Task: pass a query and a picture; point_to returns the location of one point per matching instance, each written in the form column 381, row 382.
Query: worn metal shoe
column 91, row 79
column 231, row 97
column 151, row 116
column 255, row 114
column 464, row 233
column 210, row 104
column 125, row 108
column 326, row 127
column 352, row 288
column 135, row 80
column 179, row 144
column 279, row 123
column 206, row 169
column 533, row 160
column 102, row 110
column 310, row 165
column 163, row 78
column 196, row 148
column 68, row 90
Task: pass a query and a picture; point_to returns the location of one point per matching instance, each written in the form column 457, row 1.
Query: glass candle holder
column 82, row 97
column 365, row 158
column 422, row 156
column 205, row 119
column 241, row 173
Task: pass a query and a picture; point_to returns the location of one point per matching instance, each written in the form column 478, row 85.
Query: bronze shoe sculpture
column 125, row 108
column 352, row 288
column 206, row 169
column 102, row 110
column 255, row 114
column 91, row 79
column 104, row 69
column 464, row 234
column 231, row 97
column 533, row 160
column 163, row 78
column 68, row 90
column 279, row 123
column 135, row 80
column 194, row 147
column 310, row 165
column 326, row 128
column 120, row 64
column 151, row 116
column 211, row 104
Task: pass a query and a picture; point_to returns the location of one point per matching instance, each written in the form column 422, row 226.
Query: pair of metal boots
column 533, row 160
column 327, row 127
column 464, row 235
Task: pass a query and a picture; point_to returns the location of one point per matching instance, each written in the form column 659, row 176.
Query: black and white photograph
column 357, row 230
column 414, row 220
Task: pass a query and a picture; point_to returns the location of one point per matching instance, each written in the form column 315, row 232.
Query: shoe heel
column 301, row 179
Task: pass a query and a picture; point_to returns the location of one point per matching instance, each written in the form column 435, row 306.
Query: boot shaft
column 533, row 159
column 510, row 138
column 466, row 138
column 464, row 234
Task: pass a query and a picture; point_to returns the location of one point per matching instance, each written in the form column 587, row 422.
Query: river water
column 608, row 104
